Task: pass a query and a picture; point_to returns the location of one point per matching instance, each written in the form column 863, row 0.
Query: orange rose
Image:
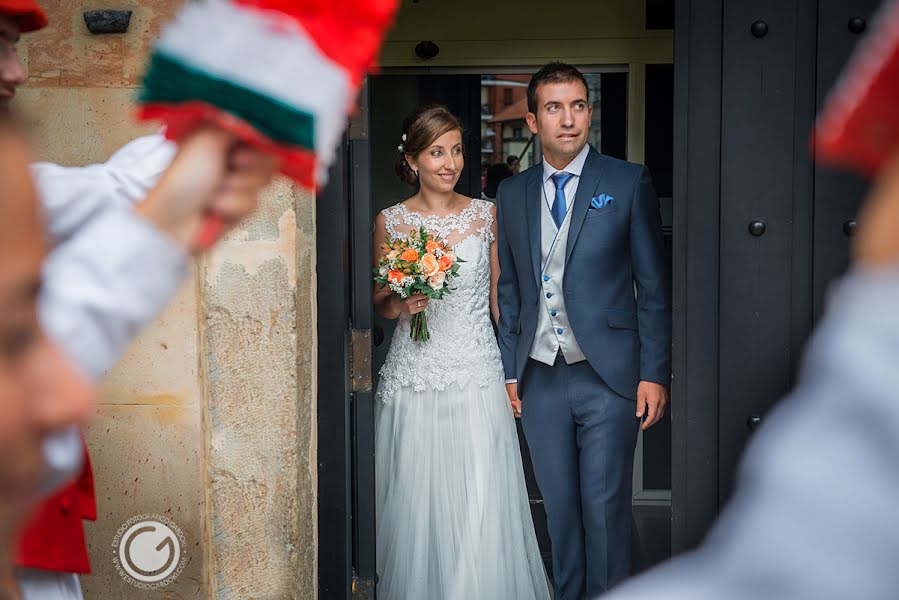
column 410, row 255
column 445, row 262
column 431, row 245
column 395, row 277
column 429, row 265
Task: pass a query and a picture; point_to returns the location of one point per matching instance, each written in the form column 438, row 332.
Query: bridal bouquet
column 417, row 264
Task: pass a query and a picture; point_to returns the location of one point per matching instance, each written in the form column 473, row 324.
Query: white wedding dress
column 453, row 517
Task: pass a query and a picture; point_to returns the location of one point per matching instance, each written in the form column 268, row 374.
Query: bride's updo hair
column 420, row 129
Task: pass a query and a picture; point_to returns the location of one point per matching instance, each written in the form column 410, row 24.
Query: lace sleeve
column 391, row 221
column 485, row 213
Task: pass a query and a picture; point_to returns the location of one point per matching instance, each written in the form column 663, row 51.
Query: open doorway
column 467, row 42
column 631, row 122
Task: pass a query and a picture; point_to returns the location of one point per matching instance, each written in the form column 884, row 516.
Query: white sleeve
column 105, row 284
column 814, row 514
column 110, row 273
column 100, row 289
column 72, row 196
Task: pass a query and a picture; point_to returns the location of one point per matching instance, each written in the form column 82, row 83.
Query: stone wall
column 209, row 418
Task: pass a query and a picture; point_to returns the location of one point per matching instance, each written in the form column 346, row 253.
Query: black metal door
column 785, row 222
column 767, row 108
column 760, row 230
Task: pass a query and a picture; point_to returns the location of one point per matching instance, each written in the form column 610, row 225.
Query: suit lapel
column 586, row 189
column 534, row 201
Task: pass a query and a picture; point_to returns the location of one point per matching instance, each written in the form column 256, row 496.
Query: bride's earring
column 415, row 172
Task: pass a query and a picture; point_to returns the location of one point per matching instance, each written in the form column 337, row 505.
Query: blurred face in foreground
column 39, row 390
column 12, row 72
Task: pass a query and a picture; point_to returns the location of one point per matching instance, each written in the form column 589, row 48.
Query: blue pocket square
column 601, row 201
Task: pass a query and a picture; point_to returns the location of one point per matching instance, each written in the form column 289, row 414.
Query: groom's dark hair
column 554, row 72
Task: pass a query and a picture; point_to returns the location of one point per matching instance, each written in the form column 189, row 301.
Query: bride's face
column 440, row 164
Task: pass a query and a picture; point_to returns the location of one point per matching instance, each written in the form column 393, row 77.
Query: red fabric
column 27, row 12
column 54, row 538
column 181, row 119
column 859, row 125
column 349, row 32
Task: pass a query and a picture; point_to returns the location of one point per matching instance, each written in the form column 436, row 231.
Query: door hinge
column 363, row 588
column 360, row 359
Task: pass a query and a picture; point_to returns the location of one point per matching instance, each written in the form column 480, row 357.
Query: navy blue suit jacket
column 625, row 338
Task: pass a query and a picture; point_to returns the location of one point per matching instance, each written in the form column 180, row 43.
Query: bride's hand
column 413, row 304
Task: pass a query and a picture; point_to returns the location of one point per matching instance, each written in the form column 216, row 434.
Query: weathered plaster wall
column 258, row 329
column 209, row 419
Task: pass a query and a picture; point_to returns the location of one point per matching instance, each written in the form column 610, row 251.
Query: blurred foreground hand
column 878, row 238
column 213, row 174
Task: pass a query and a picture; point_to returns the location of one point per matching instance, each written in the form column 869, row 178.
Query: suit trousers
column 581, row 437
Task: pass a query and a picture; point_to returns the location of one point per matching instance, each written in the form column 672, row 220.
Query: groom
column 584, row 328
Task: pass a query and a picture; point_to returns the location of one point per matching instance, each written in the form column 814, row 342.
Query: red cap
column 26, row 12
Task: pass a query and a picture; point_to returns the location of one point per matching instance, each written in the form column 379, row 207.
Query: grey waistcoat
column 553, row 329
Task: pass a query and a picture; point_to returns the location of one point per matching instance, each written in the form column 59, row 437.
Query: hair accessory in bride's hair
column 400, row 147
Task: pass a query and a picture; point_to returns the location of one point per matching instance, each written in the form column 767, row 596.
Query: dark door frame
column 333, row 383
column 696, row 191
column 718, row 383
column 345, row 406
column 695, row 335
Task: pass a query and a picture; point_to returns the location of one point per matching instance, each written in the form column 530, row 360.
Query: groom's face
column 562, row 120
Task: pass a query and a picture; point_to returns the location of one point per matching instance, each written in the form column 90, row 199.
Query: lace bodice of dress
column 462, row 347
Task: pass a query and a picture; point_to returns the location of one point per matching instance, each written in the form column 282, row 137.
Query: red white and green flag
column 280, row 74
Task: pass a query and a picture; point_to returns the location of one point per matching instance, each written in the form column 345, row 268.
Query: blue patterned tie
column 559, row 206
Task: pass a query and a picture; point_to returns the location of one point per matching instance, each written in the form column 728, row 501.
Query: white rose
column 382, row 271
column 437, row 280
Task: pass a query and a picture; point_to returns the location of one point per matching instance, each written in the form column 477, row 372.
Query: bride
column 453, row 519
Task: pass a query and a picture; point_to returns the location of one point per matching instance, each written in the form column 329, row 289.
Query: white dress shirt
column 110, row 272
column 574, row 167
column 72, row 196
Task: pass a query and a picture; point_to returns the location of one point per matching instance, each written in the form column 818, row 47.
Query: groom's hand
column 514, row 401
column 651, row 400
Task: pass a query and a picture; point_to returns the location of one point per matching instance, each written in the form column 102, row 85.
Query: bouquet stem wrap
column 418, row 327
